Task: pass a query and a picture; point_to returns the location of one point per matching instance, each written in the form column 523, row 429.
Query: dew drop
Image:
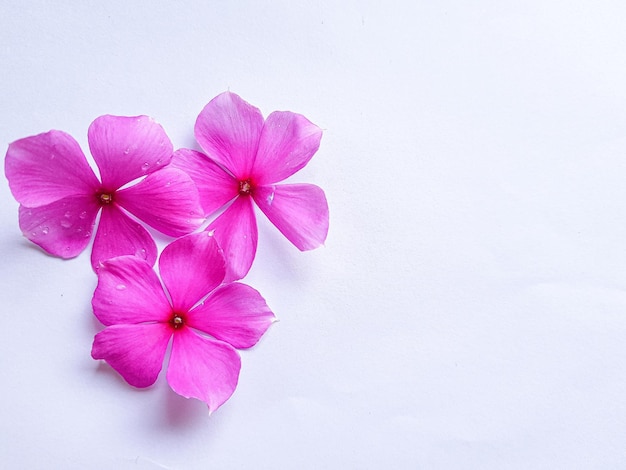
column 141, row 254
column 83, row 214
column 145, row 166
column 120, row 287
column 66, row 224
column 169, row 183
column 127, row 151
column 45, row 230
column 79, row 229
column 68, row 214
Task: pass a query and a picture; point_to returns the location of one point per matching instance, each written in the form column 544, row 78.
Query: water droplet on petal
column 120, row 287
column 66, row 223
column 127, row 151
column 141, row 254
column 145, row 166
column 68, row 214
column 83, row 214
column 45, row 230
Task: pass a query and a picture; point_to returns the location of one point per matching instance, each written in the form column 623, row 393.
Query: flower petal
column 236, row 233
column 47, row 167
column 119, row 235
column 299, row 211
column 203, row 368
column 136, row 352
column 62, row 228
column 235, row 313
column 288, row 142
column 126, row 148
column 228, row 130
column 215, row 185
column 166, row 200
column 129, row 291
column 191, row 267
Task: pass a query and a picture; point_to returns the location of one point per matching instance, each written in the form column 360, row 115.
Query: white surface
column 469, row 308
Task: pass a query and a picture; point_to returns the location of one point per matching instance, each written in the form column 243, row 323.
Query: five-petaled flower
column 246, row 157
column 205, row 330
column 60, row 195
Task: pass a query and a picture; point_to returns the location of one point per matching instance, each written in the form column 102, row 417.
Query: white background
column 469, row 308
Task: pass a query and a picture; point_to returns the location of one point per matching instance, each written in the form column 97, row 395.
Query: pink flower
column 140, row 320
column 246, row 157
column 60, row 195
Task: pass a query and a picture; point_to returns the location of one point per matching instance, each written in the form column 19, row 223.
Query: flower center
column 245, row 187
column 177, row 321
column 105, row 198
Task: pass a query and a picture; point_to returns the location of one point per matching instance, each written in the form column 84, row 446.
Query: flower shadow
column 181, row 412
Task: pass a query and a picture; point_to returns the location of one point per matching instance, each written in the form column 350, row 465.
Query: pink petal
column 126, row 148
column 166, row 200
column 48, row 167
column 129, row 291
column 203, row 368
column 215, row 185
column 136, row 352
column 119, row 235
column 288, row 142
column 191, row 267
column 299, row 211
column 228, row 130
column 235, row 313
column 236, row 233
column 62, row 228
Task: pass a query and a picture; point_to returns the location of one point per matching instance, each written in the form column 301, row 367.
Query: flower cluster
column 198, row 304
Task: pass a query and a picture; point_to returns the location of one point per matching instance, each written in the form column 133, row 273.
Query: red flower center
column 177, row 321
column 245, row 187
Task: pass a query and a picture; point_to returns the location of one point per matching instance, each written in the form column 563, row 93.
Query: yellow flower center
column 177, row 321
column 106, row 198
column 245, row 187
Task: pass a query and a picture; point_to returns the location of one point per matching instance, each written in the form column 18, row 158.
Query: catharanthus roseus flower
column 60, row 196
column 246, row 157
column 141, row 321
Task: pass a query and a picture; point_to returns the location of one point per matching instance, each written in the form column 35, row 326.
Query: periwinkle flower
column 60, row 196
column 245, row 157
column 204, row 319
